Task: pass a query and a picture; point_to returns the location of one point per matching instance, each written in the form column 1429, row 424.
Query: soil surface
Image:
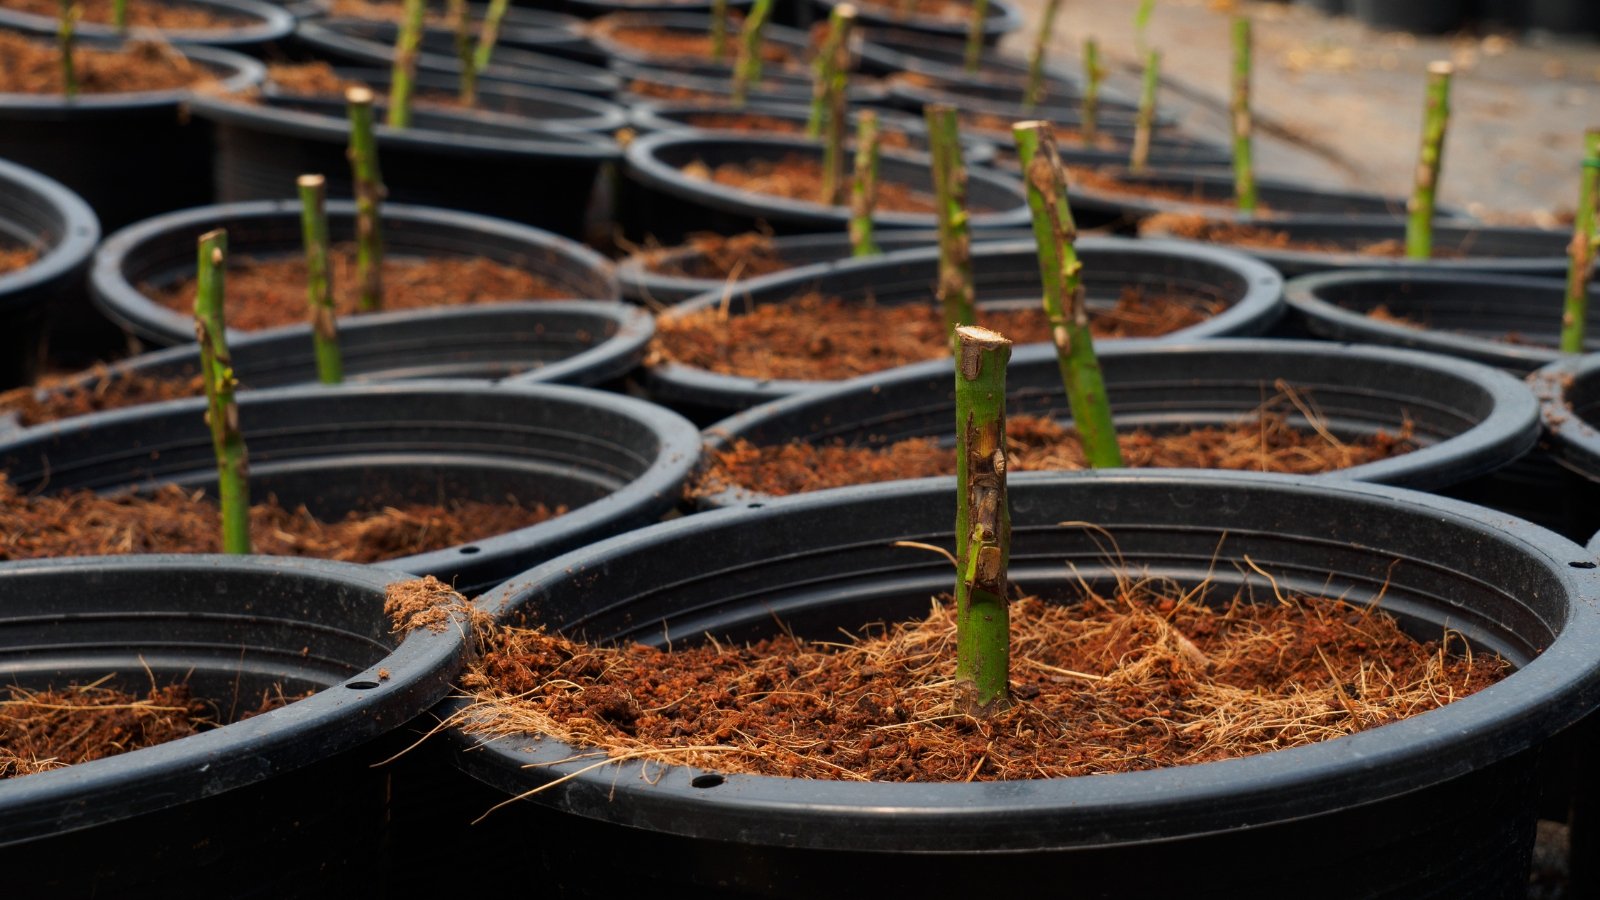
column 817, row 338
column 1065, row 137
column 1106, row 182
column 949, row 10
column 14, row 258
column 141, row 13
column 733, row 258
column 796, row 177
column 731, row 121
column 1194, row 227
column 169, row 519
column 266, row 293
column 1267, row 442
column 99, row 393
column 1383, row 313
column 1145, row 678
column 318, row 79
column 670, row 43
column 44, row 730
column 32, row 66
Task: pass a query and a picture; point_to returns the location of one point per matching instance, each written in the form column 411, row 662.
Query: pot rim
column 80, row 230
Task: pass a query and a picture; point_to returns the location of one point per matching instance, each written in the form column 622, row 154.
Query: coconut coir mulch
column 817, row 338
column 678, row 43
column 141, row 13
column 169, row 519
column 1267, row 442
column 266, row 293
column 97, row 394
column 733, row 121
column 14, row 258
column 796, row 177
column 1145, row 678
column 44, row 730
column 732, row 257
column 31, row 66
column 1194, row 227
column 951, row 10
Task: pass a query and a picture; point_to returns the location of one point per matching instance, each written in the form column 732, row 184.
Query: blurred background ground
column 1340, row 104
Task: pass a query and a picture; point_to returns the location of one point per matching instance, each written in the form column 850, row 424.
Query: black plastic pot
column 668, row 205
column 588, row 344
column 1168, row 151
column 159, row 252
column 707, row 81
column 590, row 9
column 371, row 43
column 1506, row 321
column 1116, row 113
column 1567, row 389
column 1438, row 805
column 258, row 25
column 1003, row 18
column 497, row 165
column 544, row 109
column 1005, row 275
column 1420, row 16
column 615, row 462
column 66, row 140
column 1476, row 248
column 1213, row 195
column 38, row 213
column 796, row 43
column 1468, row 419
column 649, row 118
column 270, row 805
column 1326, row 7
column 889, row 50
column 643, row 282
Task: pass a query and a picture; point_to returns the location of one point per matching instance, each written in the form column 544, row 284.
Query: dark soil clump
column 1267, row 442
column 266, row 293
column 818, row 338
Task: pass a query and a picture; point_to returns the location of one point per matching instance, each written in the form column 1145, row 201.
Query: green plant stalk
column 222, row 412
column 747, row 68
column 1139, row 160
column 1093, row 72
column 864, row 188
column 1244, row 172
column 835, row 187
column 119, row 15
column 461, row 16
column 405, row 64
column 719, row 30
column 973, row 57
column 1141, row 23
column 1034, row 94
column 66, row 34
column 488, row 35
column 1581, row 252
column 983, row 523
column 319, row 287
column 955, row 239
column 1436, row 121
column 363, row 154
column 1055, row 231
column 831, row 64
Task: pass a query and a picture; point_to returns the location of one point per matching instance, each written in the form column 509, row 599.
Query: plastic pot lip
column 1308, row 260
column 1003, row 18
column 1509, row 430
column 419, row 673
column 675, row 457
column 599, row 115
column 268, row 23
column 521, row 138
column 1254, row 312
column 1574, row 441
column 324, row 35
column 612, row 357
column 643, row 164
column 1535, row 702
column 80, row 231
column 235, row 72
column 124, row 304
column 1304, row 294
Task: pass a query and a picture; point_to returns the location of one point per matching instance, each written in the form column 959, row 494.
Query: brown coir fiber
column 950, row 10
column 817, row 338
column 730, row 121
column 796, row 177
column 266, row 293
column 32, row 66
column 1148, row 677
column 671, row 42
column 1108, row 182
column 1194, row 227
column 14, row 258
column 1266, row 442
column 169, row 519
column 735, row 257
column 100, row 393
column 44, row 730
column 141, row 13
